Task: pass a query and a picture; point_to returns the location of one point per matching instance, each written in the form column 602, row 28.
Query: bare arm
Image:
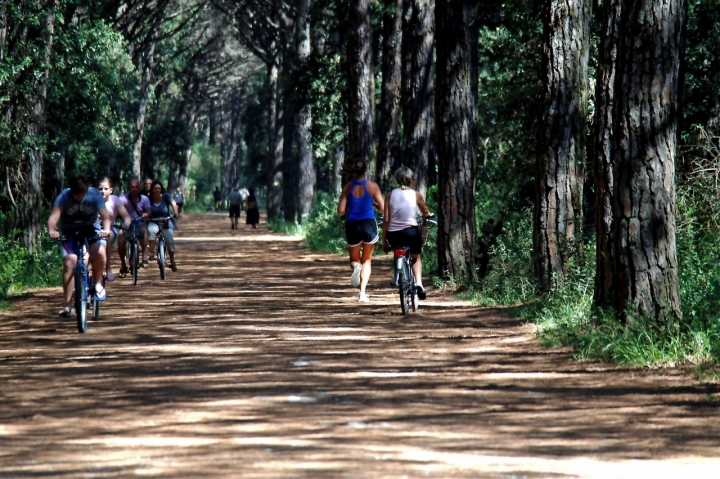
column 123, row 212
column 386, row 223
column 377, row 196
column 343, row 200
column 422, row 206
column 52, row 222
column 174, row 206
column 106, row 223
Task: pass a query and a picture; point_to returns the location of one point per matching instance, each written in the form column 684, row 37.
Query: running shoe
column 364, row 298
column 355, row 277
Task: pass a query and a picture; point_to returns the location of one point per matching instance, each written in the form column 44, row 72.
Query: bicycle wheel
column 81, row 299
column 134, row 262
column 95, row 308
column 161, row 257
column 404, row 290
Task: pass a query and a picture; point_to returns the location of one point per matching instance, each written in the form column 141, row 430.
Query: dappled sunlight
column 255, row 360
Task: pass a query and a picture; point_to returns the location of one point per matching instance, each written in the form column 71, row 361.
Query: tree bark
column 457, row 162
column 148, row 63
column 603, row 160
column 389, row 150
column 644, row 142
column 303, row 123
column 31, row 190
column 561, row 148
column 418, row 93
column 275, row 142
column 361, row 89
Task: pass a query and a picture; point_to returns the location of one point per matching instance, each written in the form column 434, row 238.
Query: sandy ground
column 255, row 360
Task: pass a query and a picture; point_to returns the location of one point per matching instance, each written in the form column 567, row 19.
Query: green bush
column 20, row 270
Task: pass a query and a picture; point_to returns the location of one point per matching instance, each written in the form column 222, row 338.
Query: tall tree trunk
column 189, row 111
column 275, row 142
column 361, row 89
column 603, row 161
column 303, row 123
column 32, row 169
column 644, row 142
column 457, row 162
column 389, row 143
column 417, row 96
column 147, row 65
column 561, row 148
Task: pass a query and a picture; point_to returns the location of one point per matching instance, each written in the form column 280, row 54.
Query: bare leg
column 108, row 268
column 99, row 255
column 69, row 263
column 417, row 269
column 366, row 261
column 144, row 245
column 122, row 249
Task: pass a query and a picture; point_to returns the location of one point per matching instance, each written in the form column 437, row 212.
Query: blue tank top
column 360, row 208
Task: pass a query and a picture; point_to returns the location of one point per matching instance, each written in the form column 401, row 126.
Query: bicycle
column 404, row 276
column 132, row 252
column 84, row 296
column 161, row 251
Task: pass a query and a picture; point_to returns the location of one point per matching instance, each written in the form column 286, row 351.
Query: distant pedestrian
column 147, row 190
column 218, row 198
column 235, row 200
column 179, row 200
column 252, row 212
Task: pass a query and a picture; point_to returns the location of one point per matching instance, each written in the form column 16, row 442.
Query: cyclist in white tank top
column 402, row 209
column 400, row 223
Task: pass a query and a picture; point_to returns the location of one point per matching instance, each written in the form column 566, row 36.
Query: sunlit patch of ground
column 255, row 360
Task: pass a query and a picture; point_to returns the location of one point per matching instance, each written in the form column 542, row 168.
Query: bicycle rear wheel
column 161, row 257
column 80, row 299
column 134, row 262
column 404, row 290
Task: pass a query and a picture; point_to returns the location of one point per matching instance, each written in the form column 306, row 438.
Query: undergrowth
column 20, row 270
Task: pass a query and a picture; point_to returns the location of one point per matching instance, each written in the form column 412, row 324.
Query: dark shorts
column 407, row 237
column 361, row 231
column 234, row 211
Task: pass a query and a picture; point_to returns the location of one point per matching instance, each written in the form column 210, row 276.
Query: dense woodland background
column 589, row 130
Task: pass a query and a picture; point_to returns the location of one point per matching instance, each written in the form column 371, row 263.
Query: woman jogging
column 400, row 226
column 357, row 199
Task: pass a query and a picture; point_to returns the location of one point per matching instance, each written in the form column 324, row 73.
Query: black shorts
column 407, row 237
column 234, row 211
column 361, row 231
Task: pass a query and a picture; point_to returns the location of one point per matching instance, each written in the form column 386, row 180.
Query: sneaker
column 364, row 298
column 355, row 277
column 420, row 291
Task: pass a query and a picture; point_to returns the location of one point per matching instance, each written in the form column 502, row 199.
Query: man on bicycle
column 138, row 206
column 80, row 207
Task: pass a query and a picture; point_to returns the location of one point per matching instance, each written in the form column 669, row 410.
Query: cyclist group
column 82, row 206
column 399, row 227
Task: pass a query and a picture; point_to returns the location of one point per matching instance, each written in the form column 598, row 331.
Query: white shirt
column 403, row 209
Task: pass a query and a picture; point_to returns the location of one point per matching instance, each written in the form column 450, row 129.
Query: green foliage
column 90, row 90
column 323, row 228
column 20, row 270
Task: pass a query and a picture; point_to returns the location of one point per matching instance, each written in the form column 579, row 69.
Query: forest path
column 255, row 360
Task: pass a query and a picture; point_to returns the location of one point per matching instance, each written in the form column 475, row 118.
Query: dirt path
column 255, row 360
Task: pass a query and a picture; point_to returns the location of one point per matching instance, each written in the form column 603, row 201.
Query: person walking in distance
column 361, row 231
column 235, row 200
column 252, row 213
column 217, row 196
column 179, row 200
